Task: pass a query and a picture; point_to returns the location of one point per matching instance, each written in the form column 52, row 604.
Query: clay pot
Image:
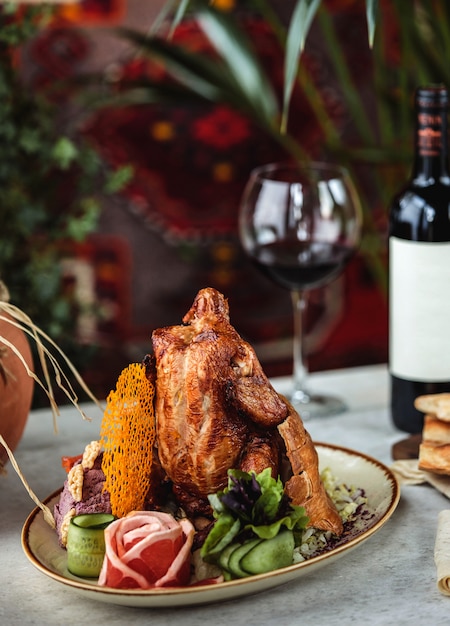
column 16, row 386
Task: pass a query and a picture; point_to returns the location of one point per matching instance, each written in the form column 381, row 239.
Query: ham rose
column 147, row 549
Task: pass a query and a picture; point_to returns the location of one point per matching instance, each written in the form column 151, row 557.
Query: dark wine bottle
column 419, row 267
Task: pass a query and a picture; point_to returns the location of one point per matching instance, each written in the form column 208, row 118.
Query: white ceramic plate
column 40, row 542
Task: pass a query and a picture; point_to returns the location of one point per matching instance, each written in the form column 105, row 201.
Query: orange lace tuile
column 127, row 434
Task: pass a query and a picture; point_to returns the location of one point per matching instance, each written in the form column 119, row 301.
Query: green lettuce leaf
column 222, row 533
column 252, row 505
column 296, row 520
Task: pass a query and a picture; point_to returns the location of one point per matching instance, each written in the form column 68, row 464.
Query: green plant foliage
column 416, row 33
column 51, row 186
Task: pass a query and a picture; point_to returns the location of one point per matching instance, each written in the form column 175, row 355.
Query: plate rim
column 198, row 589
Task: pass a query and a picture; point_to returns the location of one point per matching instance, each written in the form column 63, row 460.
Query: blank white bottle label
column 419, row 310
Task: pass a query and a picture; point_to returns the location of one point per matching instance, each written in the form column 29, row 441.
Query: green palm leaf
column 299, row 26
column 199, row 77
column 195, row 72
column 241, row 61
column 372, row 15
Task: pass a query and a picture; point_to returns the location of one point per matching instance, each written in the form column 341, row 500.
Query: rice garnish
column 351, row 502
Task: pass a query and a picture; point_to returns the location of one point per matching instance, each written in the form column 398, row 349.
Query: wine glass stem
column 300, row 371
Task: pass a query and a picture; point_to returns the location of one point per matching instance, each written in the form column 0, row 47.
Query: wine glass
column 300, row 224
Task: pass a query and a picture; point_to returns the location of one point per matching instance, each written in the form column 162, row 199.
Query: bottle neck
column 431, row 145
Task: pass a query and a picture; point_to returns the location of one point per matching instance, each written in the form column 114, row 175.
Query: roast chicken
column 216, row 409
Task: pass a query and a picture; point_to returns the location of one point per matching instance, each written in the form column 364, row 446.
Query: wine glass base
column 311, row 405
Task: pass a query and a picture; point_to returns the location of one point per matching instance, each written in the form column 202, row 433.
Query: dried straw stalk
column 51, row 365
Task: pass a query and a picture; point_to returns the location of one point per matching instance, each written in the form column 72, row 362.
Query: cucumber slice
column 93, row 520
column 86, row 543
column 270, row 554
column 237, row 554
column 225, row 555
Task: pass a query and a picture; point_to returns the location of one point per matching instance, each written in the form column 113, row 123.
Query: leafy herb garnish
column 251, row 506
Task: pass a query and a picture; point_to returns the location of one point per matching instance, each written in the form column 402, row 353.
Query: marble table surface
column 390, row 579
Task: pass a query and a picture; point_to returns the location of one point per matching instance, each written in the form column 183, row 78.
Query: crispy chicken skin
column 216, row 410
column 212, row 397
column 305, row 487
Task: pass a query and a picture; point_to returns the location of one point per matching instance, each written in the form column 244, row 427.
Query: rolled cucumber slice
column 269, row 554
column 225, row 555
column 237, row 555
column 93, row 520
column 86, row 543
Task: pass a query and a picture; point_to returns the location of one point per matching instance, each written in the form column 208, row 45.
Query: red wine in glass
column 302, row 265
column 300, row 224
